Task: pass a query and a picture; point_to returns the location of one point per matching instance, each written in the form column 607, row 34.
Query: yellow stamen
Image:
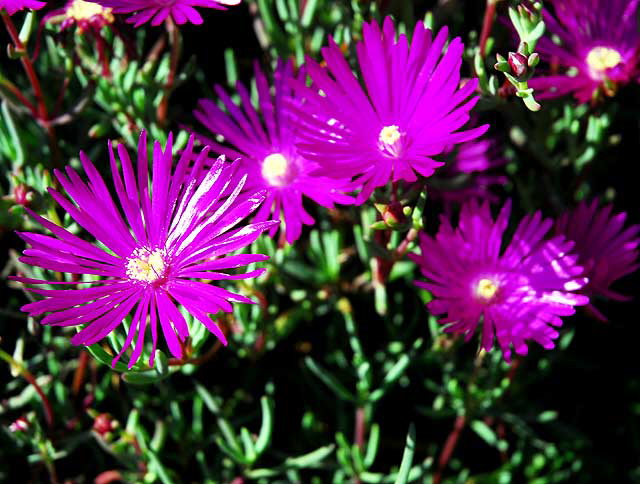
column 599, row 59
column 486, row 289
column 80, row 10
column 274, row 168
column 146, row 266
column 389, row 134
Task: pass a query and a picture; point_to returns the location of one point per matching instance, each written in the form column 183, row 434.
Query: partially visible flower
column 264, row 139
column 605, row 248
column 157, row 11
column 85, row 15
column 468, row 173
column 13, row 6
column 154, row 248
column 517, row 293
column 598, row 49
column 406, row 106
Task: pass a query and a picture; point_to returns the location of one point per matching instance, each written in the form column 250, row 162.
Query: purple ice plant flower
column 155, row 245
column 517, row 293
column 605, row 248
column 264, row 140
column 13, row 6
column 157, row 11
column 598, row 48
column 469, row 172
column 405, row 106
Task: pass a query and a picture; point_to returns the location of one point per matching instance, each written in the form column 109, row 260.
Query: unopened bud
column 20, row 425
column 518, row 64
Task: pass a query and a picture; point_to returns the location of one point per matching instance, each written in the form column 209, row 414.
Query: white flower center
column 390, row 141
column 389, row 135
column 486, row 289
column 147, row 266
column 599, row 59
column 275, row 168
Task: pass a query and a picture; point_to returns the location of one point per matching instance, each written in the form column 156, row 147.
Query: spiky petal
column 158, row 241
column 518, row 294
column 605, row 248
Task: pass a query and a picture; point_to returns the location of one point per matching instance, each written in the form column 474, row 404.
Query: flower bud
column 518, row 64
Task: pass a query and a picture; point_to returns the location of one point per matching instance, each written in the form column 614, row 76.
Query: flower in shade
column 405, row 106
column 598, row 47
column 154, row 248
column 264, row 139
column 517, row 293
column 13, row 6
column 156, row 11
column 468, row 173
column 605, row 248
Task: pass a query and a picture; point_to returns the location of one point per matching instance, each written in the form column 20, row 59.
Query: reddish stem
column 449, row 447
column 48, row 410
column 487, row 25
column 27, row 64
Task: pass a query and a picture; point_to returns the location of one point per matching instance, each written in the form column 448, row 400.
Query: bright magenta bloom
column 13, row 6
column 156, row 246
column 606, row 249
column 156, row 11
column 406, row 106
column 599, row 41
column 264, row 140
column 518, row 294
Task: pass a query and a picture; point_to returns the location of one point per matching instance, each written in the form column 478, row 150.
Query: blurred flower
column 13, row 6
column 604, row 247
column 405, row 107
column 264, row 140
column 156, row 11
column 467, row 173
column 175, row 232
column 599, row 46
column 518, row 293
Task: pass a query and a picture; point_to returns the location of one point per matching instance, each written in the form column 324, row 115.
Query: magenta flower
column 175, row 231
column 468, row 173
column 606, row 249
column 518, row 293
column 405, row 107
column 13, row 6
column 156, row 11
column 599, row 41
column 264, row 140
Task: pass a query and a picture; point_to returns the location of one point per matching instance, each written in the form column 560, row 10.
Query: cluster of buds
column 519, row 66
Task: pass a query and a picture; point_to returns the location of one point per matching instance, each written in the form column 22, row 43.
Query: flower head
column 156, row 11
column 155, row 247
column 598, row 49
column 518, row 293
column 405, row 106
column 264, row 139
column 605, row 248
column 13, row 6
